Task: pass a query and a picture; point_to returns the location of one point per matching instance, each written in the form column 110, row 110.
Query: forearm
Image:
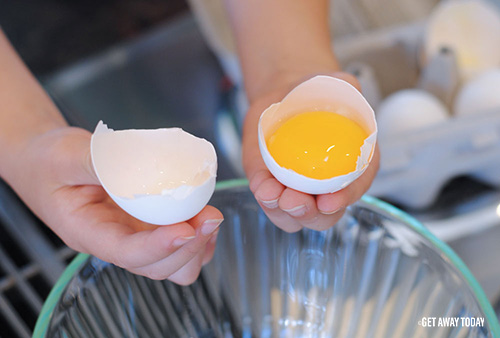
column 280, row 39
column 26, row 111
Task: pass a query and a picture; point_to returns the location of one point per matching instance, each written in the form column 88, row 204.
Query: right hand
column 289, row 209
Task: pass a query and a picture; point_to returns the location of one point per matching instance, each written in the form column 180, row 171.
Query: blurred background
column 146, row 64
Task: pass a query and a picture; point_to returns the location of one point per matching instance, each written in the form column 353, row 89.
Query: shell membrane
column 160, row 176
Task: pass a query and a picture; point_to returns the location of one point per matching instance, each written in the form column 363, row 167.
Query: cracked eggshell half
column 159, row 176
column 321, row 93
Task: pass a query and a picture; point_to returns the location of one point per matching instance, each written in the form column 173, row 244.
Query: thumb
column 90, row 176
column 74, row 163
column 87, row 173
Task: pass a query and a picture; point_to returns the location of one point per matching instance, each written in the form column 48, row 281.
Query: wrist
column 289, row 72
column 18, row 138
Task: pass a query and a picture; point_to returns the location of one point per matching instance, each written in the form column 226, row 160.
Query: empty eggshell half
column 160, row 176
column 321, row 93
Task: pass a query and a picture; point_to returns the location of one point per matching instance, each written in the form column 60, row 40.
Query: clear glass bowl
column 377, row 273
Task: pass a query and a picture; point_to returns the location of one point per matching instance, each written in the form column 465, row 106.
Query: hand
column 287, row 208
column 55, row 177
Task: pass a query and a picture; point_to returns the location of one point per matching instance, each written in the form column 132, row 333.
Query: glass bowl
column 377, row 273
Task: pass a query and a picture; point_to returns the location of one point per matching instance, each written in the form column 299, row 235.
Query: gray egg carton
column 415, row 166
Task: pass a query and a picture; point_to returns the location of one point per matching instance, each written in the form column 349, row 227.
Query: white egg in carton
column 440, row 113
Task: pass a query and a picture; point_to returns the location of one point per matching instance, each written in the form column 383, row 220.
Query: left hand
column 54, row 175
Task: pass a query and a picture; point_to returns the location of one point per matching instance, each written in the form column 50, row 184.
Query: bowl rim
column 55, row 294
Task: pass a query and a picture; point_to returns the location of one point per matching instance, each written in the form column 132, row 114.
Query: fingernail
column 210, row 226
column 331, row 212
column 297, row 211
column 182, row 240
column 270, row 204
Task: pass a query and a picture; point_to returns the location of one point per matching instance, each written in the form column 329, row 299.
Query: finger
column 122, row 245
column 268, row 195
column 207, row 220
column 166, row 267
column 302, row 207
column 210, row 248
column 147, row 247
column 188, row 273
column 281, row 219
column 269, row 190
column 297, row 204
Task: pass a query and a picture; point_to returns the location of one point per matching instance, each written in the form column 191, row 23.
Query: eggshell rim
column 103, row 128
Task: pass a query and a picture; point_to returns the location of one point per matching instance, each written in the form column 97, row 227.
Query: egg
column 320, row 137
column 471, row 28
column 409, row 110
column 159, row 176
column 479, row 95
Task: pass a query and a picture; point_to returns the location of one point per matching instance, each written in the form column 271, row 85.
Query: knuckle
column 321, row 226
column 290, row 229
column 191, row 250
column 189, row 278
column 118, row 259
column 207, row 259
column 264, row 187
column 155, row 274
column 74, row 244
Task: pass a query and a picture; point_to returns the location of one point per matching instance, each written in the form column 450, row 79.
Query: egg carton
column 386, row 56
column 415, row 165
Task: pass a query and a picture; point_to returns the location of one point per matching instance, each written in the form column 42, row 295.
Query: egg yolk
column 317, row 144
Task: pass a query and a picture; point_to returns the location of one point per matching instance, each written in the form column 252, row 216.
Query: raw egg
column 479, row 95
column 408, row 110
column 318, row 144
column 320, row 137
column 471, row 28
column 159, row 176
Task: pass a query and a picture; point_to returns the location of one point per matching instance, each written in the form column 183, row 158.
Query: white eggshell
column 161, row 176
column 321, row 93
column 408, row 110
column 479, row 95
column 471, row 28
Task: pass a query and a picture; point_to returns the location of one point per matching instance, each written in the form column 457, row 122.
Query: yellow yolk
column 318, row 145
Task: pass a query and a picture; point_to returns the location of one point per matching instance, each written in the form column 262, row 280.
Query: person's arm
column 280, row 44
column 280, row 39
column 48, row 164
column 26, row 110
